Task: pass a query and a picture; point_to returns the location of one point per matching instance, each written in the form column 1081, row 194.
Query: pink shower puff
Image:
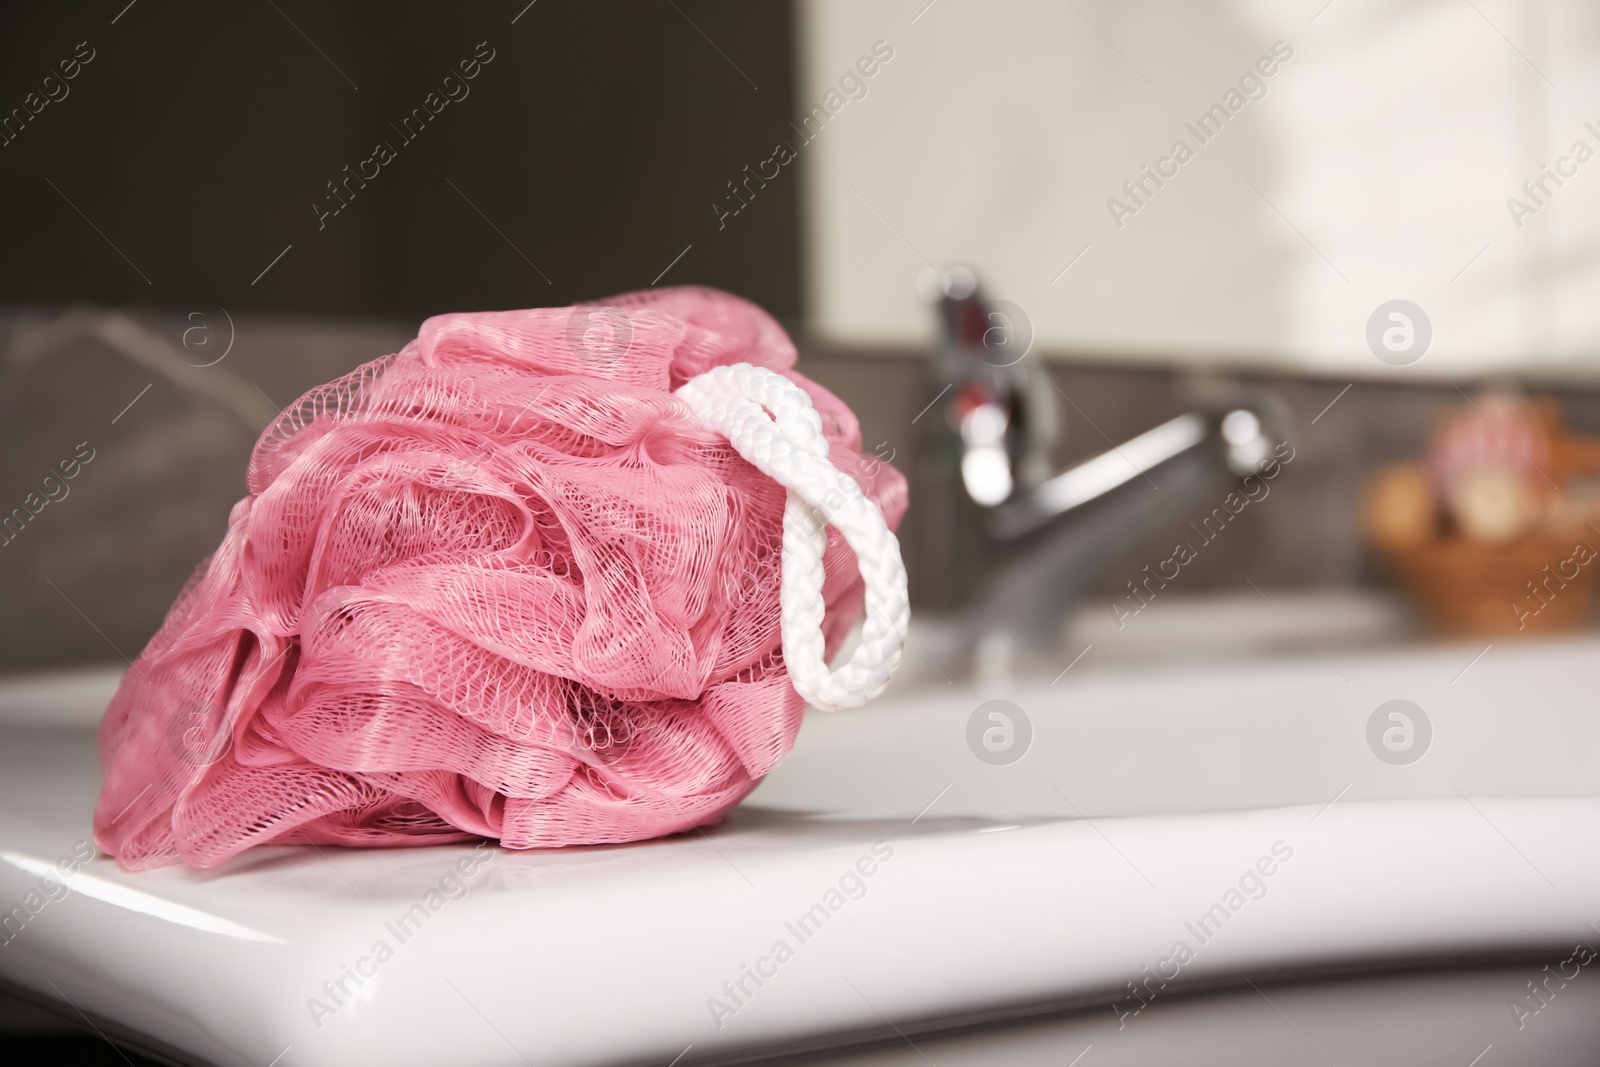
column 498, row 585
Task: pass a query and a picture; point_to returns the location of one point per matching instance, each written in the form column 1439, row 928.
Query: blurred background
column 1172, row 205
column 1304, row 287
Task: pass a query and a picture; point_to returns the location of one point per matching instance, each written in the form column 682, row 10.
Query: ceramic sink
column 907, row 879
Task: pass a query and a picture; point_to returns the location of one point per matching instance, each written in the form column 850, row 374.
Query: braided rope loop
column 788, row 446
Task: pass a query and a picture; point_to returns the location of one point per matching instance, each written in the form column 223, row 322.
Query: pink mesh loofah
column 501, row 584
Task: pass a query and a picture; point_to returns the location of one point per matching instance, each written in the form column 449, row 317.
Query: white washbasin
column 1141, row 739
column 950, row 890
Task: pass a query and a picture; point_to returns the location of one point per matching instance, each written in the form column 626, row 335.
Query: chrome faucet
column 1009, row 548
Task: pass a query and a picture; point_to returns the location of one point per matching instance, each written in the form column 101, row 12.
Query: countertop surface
column 851, row 896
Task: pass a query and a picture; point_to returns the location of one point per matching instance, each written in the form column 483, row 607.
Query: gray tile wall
column 91, row 574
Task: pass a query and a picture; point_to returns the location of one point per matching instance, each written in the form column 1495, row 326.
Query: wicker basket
column 1468, row 587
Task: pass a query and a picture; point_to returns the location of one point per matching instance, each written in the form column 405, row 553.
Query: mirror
column 1356, row 187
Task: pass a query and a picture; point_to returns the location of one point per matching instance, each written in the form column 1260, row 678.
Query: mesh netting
column 498, row 585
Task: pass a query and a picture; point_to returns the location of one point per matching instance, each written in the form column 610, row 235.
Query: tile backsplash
column 157, row 438
column 1304, row 534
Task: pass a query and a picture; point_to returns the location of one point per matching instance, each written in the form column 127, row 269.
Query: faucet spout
column 1094, row 478
column 1062, row 539
column 1046, row 539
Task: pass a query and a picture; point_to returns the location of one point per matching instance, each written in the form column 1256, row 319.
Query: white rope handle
column 788, row 446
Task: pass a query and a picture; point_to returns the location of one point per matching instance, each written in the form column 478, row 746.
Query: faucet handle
column 1000, row 405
